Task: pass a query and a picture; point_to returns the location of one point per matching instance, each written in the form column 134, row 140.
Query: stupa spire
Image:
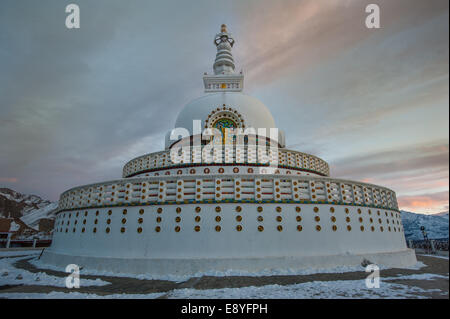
column 224, row 63
column 224, row 78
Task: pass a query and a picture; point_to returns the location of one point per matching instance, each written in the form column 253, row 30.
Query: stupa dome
column 246, row 111
column 252, row 111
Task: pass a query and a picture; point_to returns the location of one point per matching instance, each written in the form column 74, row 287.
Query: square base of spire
column 223, row 83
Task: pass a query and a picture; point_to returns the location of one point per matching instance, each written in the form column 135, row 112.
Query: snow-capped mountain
column 29, row 208
column 32, row 218
column 443, row 214
column 435, row 225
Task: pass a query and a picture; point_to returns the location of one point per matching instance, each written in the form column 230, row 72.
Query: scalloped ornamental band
column 143, row 164
column 163, row 190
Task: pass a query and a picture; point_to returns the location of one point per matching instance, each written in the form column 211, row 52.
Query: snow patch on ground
column 10, row 275
column 339, row 289
column 78, row 295
column 227, row 273
column 317, row 289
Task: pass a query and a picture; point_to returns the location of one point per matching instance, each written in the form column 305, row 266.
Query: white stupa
column 213, row 202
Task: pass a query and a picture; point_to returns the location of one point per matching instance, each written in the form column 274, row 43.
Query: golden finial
column 223, row 28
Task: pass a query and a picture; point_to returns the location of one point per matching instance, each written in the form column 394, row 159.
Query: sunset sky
column 76, row 105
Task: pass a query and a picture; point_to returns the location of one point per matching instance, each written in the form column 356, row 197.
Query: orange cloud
column 425, row 203
column 8, row 179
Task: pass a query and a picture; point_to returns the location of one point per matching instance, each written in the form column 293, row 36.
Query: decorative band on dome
column 224, row 114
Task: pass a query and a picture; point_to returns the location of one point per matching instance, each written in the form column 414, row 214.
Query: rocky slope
column 29, row 208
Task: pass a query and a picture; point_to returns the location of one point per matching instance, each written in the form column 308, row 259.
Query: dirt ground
column 119, row 285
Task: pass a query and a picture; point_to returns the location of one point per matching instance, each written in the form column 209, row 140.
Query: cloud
column 418, row 174
column 8, row 180
column 413, row 169
column 410, row 158
column 425, row 203
column 73, row 100
column 296, row 36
